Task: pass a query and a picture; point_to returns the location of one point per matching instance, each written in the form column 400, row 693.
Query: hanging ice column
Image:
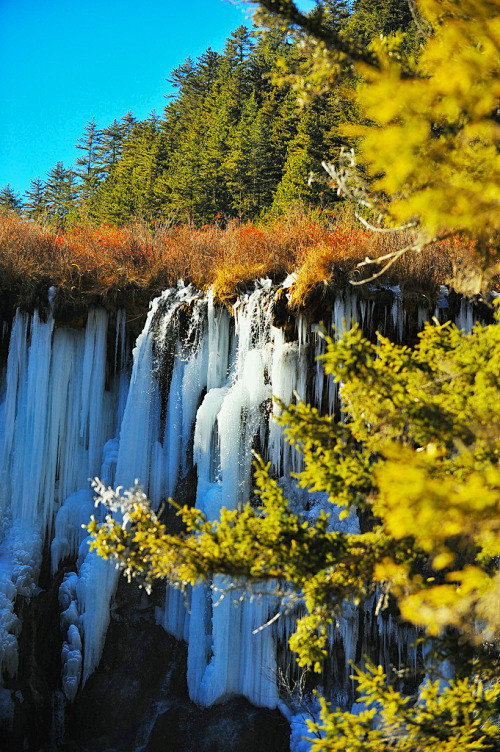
column 194, row 368
column 55, row 417
column 228, row 653
column 85, row 597
column 224, row 655
column 138, row 453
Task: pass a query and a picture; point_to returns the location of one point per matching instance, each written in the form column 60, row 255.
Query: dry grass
column 127, row 266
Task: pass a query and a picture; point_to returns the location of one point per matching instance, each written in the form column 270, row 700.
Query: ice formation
column 200, row 393
column 56, row 416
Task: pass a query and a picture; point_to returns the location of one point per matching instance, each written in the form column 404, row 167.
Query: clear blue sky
column 63, row 62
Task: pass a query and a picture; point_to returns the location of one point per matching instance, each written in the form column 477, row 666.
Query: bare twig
column 374, row 228
column 347, row 180
column 393, row 257
column 421, row 23
column 267, row 623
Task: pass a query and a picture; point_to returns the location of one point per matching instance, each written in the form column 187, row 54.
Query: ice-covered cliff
column 195, row 393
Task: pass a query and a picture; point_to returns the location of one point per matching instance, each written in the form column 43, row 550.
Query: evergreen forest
column 236, row 139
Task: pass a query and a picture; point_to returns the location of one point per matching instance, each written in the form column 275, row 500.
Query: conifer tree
column 183, row 135
column 90, row 171
column 240, row 168
column 128, row 191
column 35, row 204
column 61, row 194
column 371, row 18
column 108, row 147
column 300, row 163
column 10, row 201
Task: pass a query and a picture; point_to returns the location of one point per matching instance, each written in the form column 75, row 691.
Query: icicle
column 69, row 531
column 218, row 343
column 319, row 373
column 284, row 373
column 206, row 444
column 120, row 340
column 422, row 318
column 442, row 303
column 141, row 420
column 302, row 331
column 16, row 374
column 97, row 581
column 174, row 617
column 465, row 318
column 97, row 578
column 20, row 560
column 30, row 428
column 194, row 380
column 173, row 433
column 200, row 642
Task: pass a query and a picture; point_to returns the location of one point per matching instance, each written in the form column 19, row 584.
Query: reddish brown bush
column 106, row 262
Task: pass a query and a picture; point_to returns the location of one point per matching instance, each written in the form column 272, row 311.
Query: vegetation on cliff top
column 129, row 265
column 232, row 147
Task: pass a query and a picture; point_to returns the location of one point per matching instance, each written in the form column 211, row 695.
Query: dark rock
column 234, row 726
column 39, row 671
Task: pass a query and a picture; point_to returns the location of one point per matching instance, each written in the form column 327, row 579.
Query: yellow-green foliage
column 419, row 452
column 436, row 133
column 458, row 717
column 431, row 136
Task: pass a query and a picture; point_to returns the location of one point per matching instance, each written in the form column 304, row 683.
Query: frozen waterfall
column 196, row 392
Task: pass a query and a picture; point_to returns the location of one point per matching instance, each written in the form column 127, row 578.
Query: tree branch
column 312, row 25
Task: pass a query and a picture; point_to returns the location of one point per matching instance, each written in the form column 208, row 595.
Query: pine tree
column 61, row 195
column 10, row 200
column 231, row 88
column 183, row 136
column 108, row 147
column 371, row 18
column 129, row 190
column 90, row 171
column 240, row 169
column 304, row 155
column 35, row 204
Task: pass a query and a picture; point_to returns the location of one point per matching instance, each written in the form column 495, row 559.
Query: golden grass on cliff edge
column 105, row 264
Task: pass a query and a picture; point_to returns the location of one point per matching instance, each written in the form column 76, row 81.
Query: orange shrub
column 106, row 264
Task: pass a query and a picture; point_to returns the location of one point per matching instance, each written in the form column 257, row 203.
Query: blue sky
column 63, row 62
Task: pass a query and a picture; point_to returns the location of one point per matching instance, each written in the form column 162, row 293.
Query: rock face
column 234, row 726
column 140, row 662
